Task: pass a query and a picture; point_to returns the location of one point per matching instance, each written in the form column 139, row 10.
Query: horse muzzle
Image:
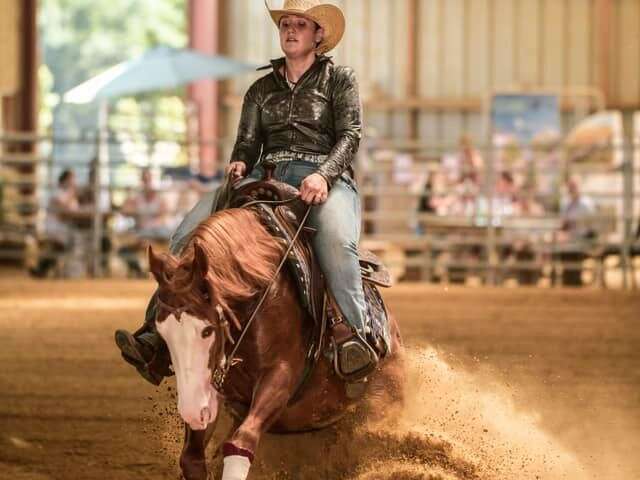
column 198, row 411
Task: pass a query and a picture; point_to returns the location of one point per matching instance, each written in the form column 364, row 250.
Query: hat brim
column 328, row 16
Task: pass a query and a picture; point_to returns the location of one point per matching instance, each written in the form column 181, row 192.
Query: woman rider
column 304, row 116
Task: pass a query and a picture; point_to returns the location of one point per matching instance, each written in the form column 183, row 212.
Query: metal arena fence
column 432, row 212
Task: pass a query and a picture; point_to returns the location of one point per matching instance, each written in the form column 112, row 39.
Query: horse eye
column 206, row 333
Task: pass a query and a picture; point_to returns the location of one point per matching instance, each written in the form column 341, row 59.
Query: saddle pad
column 377, row 318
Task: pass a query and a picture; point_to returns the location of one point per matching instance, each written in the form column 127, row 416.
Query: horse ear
column 156, row 265
column 200, row 260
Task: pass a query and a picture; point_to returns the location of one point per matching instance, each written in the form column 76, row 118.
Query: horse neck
column 281, row 316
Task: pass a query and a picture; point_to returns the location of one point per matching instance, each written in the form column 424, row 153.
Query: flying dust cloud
column 453, row 425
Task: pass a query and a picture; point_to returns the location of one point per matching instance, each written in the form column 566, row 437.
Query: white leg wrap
column 236, row 467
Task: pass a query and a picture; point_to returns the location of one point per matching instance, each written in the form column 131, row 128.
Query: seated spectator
column 526, row 205
column 574, row 233
column 503, row 201
column 519, row 246
column 465, row 164
column 464, row 199
column 506, row 196
column 574, row 210
column 150, row 215
column 62, row 210
column 460, row 198
column 148, row 209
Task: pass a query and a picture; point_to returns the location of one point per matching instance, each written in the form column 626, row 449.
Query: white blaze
column 197, row 399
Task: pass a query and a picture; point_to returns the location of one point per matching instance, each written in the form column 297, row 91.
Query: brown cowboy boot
column 355, row 358
column 147, row 353
column 145, row 349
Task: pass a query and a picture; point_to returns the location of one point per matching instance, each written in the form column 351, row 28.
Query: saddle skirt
column 282, row 221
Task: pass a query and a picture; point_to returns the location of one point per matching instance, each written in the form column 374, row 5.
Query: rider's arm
column 347, row 119
column 249, row 139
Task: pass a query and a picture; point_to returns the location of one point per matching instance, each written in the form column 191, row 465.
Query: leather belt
column 287, row 156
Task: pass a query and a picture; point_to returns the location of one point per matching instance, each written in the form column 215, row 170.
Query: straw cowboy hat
column 328, row 16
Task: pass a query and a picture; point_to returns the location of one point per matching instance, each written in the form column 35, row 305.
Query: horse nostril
column 205, row 415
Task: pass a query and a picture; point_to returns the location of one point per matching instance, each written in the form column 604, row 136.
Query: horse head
column 234, row 252
column 193, row 327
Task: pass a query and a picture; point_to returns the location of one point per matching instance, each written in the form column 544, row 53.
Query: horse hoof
column 194, row 469
column 195, row 477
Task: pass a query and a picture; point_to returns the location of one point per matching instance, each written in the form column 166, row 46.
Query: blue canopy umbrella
column 162, row 68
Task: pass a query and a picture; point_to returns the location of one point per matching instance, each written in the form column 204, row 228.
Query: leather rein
column 222, row 366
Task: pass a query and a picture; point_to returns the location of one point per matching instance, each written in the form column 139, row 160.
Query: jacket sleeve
column 249, row 139
column 347, row 120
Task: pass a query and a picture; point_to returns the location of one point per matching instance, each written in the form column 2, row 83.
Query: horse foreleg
column 192, row 459
column 270, row 398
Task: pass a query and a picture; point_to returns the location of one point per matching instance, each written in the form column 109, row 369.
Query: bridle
column 221, row 326
column 175, row 311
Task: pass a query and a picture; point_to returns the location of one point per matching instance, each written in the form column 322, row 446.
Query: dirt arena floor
column 503, row 383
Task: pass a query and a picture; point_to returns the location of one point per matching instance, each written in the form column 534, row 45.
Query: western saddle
column 281, row 212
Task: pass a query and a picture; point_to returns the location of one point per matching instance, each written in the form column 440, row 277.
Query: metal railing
column 420, row 245
column 446, row 242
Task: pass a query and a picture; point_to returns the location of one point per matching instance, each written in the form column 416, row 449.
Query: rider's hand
column 236, row 170
column 314, row 189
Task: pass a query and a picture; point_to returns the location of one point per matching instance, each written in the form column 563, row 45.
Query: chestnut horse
column 204, row 300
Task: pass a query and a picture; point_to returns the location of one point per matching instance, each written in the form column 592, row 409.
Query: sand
column 503, row 383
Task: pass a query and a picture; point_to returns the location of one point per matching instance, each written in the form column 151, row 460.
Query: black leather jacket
column 321, row 115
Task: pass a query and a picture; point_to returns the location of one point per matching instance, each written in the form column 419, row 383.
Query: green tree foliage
column 81, row 38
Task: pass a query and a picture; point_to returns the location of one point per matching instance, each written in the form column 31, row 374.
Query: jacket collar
column 278, row 62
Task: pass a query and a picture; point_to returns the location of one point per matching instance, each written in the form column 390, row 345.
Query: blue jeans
column 337, row 222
